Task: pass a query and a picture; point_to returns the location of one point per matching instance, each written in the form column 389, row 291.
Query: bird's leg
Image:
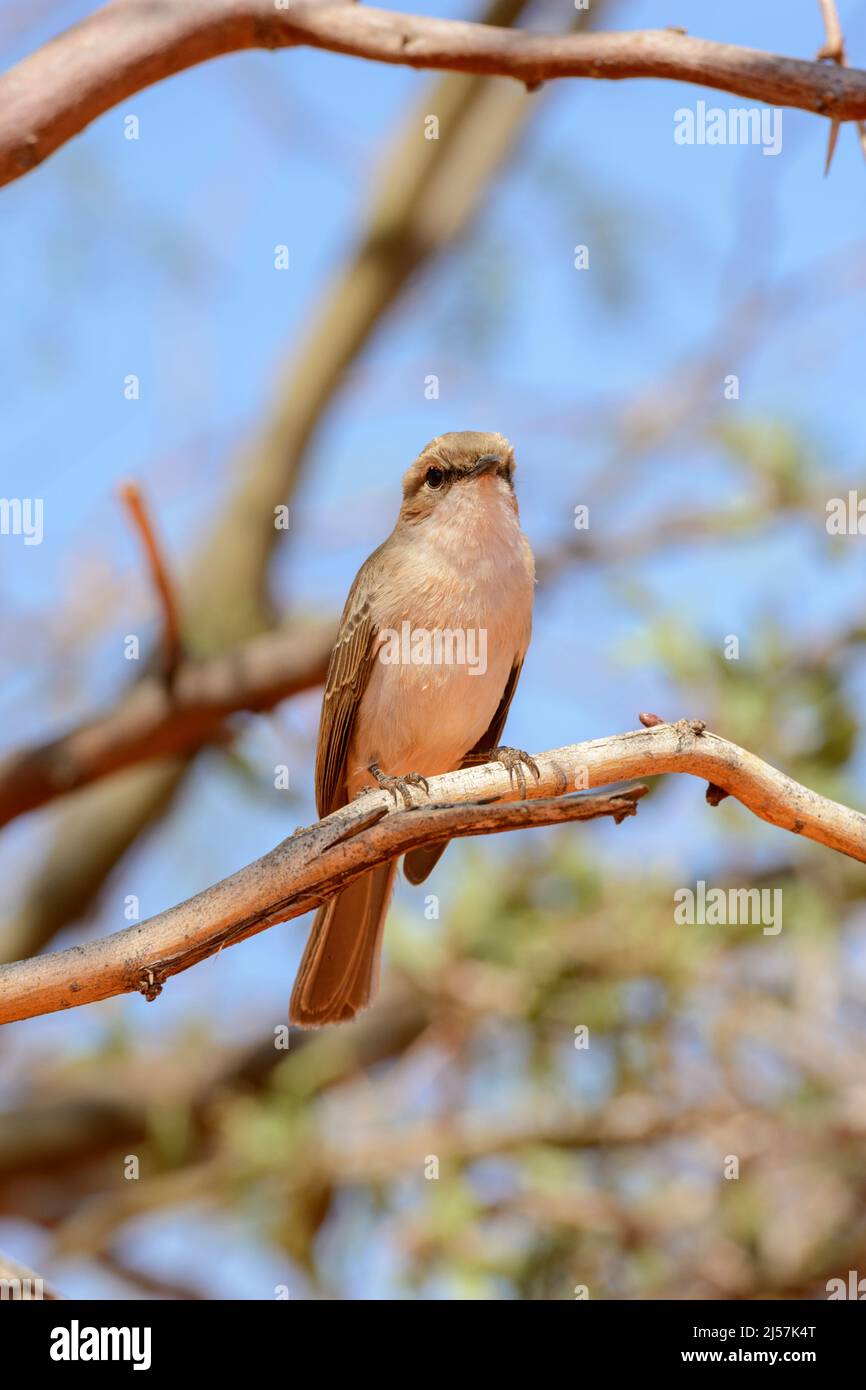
column 514, row 760
column 398, row 784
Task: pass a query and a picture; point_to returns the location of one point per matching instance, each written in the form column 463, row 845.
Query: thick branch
column 317, row 862
column 154, row 721
column 131, row 44
column 298, row 875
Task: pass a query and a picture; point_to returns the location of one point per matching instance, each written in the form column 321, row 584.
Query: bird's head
column 459, row 475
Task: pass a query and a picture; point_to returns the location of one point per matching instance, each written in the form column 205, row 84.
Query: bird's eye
column 434, row 478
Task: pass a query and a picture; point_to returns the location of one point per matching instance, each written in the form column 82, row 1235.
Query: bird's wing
column 491, row 738
column 420, row 862
column 348, row 673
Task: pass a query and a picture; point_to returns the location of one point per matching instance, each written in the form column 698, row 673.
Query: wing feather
column 491, row 738
column 420, row 862
column 348, row 673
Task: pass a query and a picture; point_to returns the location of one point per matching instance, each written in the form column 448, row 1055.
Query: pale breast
column 429, row 700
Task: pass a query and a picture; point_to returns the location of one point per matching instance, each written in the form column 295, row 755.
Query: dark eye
column 434, row 478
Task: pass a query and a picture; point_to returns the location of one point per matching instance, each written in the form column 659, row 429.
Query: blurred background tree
column 459, row 1141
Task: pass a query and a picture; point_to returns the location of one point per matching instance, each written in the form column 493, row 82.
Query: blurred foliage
column 457, row 1141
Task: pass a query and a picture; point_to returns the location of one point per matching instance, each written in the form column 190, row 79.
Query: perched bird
column 426, row 662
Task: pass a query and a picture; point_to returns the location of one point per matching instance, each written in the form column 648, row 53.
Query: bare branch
column 152, row 721
column 318, row 861
column 133, row 499
column 129, row 45
column 834, row 43
column 298, row 875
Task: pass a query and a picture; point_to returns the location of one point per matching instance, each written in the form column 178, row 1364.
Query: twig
column 133, row 499
column 127, row 46
column 317, row 862
column 834, row 42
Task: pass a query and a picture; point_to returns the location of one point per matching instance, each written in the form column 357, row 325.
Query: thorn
column 831, row 145
column 715, row 794
column 650, row 721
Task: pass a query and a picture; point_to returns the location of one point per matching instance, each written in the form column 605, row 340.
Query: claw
column 399, row 784
column 514, row 760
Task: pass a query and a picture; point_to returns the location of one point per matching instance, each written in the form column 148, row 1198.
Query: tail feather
column 420, row 862
column 339, row 970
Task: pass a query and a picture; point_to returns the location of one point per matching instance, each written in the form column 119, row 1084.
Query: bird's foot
column 399, row 784
column 514, row 760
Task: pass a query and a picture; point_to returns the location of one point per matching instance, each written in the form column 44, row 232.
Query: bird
column 455, row 579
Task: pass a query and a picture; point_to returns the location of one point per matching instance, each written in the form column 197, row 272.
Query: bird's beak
column 486, row 464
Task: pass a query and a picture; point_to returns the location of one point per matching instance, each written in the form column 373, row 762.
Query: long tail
column 339, row 972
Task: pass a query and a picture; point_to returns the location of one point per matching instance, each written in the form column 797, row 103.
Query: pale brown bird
column 396, row 709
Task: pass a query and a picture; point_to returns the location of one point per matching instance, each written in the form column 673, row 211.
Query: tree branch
column 132, row 498
column 834, row 43
column 302, row 872
column 317, row 862
column 130, row 44
column 154, row 721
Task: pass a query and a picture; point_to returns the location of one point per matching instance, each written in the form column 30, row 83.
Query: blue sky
column 155, row 257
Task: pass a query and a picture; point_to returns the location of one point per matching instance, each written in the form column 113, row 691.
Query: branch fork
column 318, row 861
